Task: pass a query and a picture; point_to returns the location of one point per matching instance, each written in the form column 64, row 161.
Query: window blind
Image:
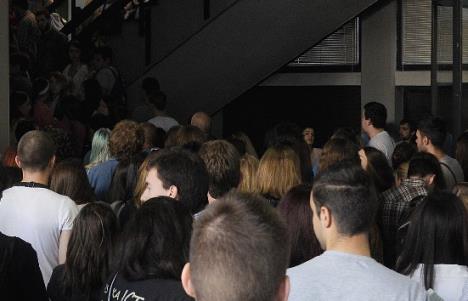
column 341, row 48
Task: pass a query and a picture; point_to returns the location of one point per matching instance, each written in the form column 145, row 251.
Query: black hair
column 377, row 113
column 158, row 99
column 423, row 164
column 410, row 123
column 438, row 234
column 156, row 240
column 403, row 153
column 185, row 170
column 150, row 85
column 23, row 4
column 347, row 191
column 89, row 253
column 435, row 129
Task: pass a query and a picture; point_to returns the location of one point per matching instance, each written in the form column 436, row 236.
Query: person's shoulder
column 304, row 268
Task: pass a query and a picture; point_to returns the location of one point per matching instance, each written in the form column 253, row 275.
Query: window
column 341, row 48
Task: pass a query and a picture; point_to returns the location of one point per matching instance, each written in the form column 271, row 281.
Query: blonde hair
column 278, row 171
column 248, row 169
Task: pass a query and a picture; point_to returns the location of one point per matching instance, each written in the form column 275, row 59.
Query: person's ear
column 17, row 161
column 425, row 140
column 52, row 161
column 283, row 290
column 430, row 179
column 187, row 281
column 173, row 192
column 325, row 217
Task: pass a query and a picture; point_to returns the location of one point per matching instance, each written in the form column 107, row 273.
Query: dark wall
column 323, row 108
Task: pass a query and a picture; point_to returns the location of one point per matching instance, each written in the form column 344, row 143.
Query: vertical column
column 4, row 77
column 378, row 57
column 457, row 67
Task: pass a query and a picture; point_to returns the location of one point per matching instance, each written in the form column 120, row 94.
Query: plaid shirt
column 394, row 203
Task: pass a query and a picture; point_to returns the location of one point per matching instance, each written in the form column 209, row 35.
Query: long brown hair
column 278, row 171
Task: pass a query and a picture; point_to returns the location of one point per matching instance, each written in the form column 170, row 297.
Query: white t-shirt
column 164, row 122
column 384, row 143
column 449, row 280
column 337, row 276
column 38, row 216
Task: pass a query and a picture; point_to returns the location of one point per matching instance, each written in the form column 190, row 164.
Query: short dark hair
column 294, row 207
column 187, row 136
column 186, row 171
column 105, row 52
column 423, row 164
column 154, row 136
column 239, row 249
column 377, row 113
column 35, row 150
column 90, row 250
column 408, row 122
column 403, row 153
column 347, row 191
column 438, row 234
column 158, row 99
column 69, row 178
column 150, row 85
column 43, row 12
column 156, row 240
column 222, row 162
column 435, row 129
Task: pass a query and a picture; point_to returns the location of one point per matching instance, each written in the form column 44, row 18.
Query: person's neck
column 40, row 177
column 437, row 152
column 357, row 244
column 158, row 112
column 372, row 132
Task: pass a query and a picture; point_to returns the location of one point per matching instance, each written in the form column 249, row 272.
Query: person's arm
column 63, row 243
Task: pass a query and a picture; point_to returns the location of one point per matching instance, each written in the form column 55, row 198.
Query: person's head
column 309, row 136
column 202, row 121
column 43, row 19
column 403, row 153
column 58, row 83
column 150, row 85
column 41, row 89
column 343, row 202
column 407, row 130
column 425, row 166
column 74, row 51
column 239, row 251
column 249, row 148
column 36, row 152
column 278, row 171
column 349, row 134
column 401, row 173
column 20, row 106
column 69, row 178
column 461, row 152
column 461, row 191
column 99, row 147
column 376, row 165
column 154, row 136
column 126, row 140
column 248, row 170
column 140, row 185
column 156, row 241
column 437, row 234
column 179, row 174
column 158, row 100
column 374, row 116
column 89, row 253
column 294, row 207
column 338, row 149
column 431, row 134
column 187, row 136
column 102, row 57
column 222, row 162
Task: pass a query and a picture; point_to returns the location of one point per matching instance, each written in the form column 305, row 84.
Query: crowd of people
column 102, row 203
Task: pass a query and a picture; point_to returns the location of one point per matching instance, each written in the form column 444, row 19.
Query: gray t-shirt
column 384, row 143
column 343, row 276
column 452, row 171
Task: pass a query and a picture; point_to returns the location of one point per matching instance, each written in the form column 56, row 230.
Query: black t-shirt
column 119, row 289
column 20, row 276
